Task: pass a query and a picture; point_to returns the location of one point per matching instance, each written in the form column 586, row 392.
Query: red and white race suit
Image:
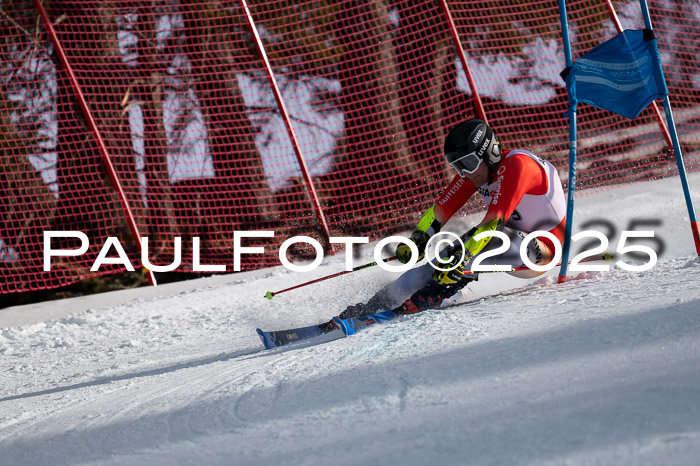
column 525, row 192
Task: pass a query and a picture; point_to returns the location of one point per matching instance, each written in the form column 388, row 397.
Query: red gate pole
column 288, row 125
column 481, row 113
column 104, row 154
column 657, row 110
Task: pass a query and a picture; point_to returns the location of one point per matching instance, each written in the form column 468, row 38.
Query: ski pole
column 271, row 294
column 605, row 257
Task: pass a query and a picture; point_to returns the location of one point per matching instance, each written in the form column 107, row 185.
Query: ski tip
column 607, row 257
column 269, row 295
column 261, row 334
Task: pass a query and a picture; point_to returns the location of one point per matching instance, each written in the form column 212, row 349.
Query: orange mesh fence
column 51, row 177
column 181, row 99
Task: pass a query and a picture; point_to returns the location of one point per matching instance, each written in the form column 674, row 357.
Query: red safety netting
column 200, row 139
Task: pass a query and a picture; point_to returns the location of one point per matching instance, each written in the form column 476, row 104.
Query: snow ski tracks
column 168, row 404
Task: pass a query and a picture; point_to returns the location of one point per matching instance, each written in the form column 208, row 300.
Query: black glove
column 420, row 239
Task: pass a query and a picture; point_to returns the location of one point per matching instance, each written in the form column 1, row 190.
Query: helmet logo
column 478, row 135
column 484, row 146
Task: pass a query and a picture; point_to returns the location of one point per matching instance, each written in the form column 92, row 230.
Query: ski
column 279, row 338
column 317, row 334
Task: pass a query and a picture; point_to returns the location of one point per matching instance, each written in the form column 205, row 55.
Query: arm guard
column 428, row 223
column 472, row 247
column 426, row 228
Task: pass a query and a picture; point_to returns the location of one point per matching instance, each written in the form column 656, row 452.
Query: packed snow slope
column 604, row 369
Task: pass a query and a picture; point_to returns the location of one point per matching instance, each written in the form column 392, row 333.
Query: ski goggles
column 464, row 163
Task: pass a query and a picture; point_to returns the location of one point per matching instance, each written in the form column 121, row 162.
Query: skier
column 523, row 193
